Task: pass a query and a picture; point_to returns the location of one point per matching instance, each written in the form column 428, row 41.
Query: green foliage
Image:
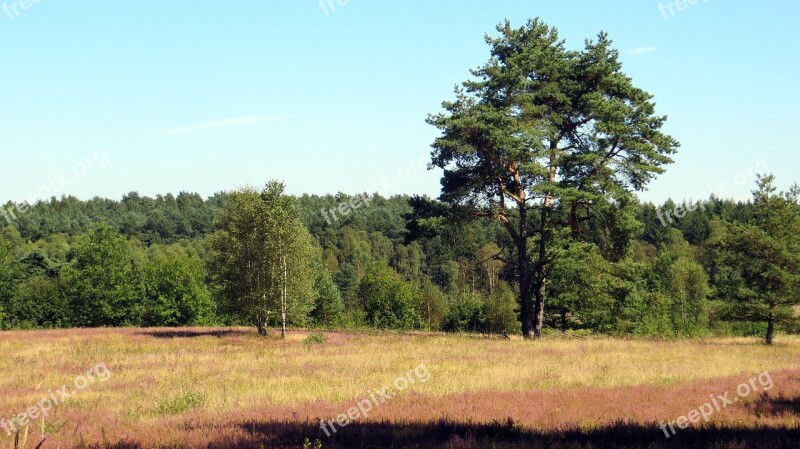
column 103, row 285
column 432, row 306
column 501, row 312
column 346, row 280
column 264, row 260
column 328, row 304
column 666, row 298
column 582, row 283
column 637, row 310
column 175, row 292
column 388, row 301
column 38, row 303
column 761, row 260
column 110, row 282
column 315, row 338
column 448, row 276
column 409, row 261
column 8, row 283
column 684, row 285
column 466, row 313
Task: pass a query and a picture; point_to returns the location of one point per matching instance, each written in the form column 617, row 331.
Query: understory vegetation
column 394, row 265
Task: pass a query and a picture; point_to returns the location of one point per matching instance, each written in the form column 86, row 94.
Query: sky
column 105, row 98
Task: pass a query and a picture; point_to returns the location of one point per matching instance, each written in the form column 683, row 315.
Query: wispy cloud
column 234, row 121
column 641, row 50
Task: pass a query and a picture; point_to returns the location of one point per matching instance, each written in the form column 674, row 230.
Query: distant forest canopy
column 400, row 262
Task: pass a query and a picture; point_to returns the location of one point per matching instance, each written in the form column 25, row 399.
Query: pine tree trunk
column 538, row 309
column 541, row 274
column 541, row 266
column 526, row 312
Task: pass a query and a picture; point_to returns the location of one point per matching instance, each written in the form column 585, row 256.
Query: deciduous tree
column 264, row 258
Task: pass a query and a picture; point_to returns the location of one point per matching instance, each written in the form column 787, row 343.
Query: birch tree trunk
column 284, row 294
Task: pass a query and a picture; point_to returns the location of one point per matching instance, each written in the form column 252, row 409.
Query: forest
column 404, row 263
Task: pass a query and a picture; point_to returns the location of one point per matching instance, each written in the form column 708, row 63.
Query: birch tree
column 264, row 259
column 291, row 255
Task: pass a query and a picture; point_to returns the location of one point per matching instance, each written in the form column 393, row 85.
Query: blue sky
column 209, row 95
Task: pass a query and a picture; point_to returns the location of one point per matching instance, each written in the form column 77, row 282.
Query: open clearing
column 231, row 388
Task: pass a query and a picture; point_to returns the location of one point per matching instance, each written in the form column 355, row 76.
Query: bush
column 328, row 303
column 431, row 306
column 388, row 299
column 684, row 283
column 579, row 300
column 8, row 274
column 103, row 285
column 315, row 338
column 466, row 314
column 38, row 303
column 500, row 311
column 176, row 293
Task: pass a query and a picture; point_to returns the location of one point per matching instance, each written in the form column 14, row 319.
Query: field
column 219, row 388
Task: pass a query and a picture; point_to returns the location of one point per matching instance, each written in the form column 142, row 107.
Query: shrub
column 328, row 304
column 466, row 314
column 388, row 299
column 500, row 311
column 315, row 338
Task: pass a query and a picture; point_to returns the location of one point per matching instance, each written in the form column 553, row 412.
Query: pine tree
column 544, row 140
column 763, row 259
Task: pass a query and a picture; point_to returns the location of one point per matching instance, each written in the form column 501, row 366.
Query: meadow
column 230, row 387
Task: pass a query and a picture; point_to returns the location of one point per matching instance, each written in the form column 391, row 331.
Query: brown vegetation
column 232, row 388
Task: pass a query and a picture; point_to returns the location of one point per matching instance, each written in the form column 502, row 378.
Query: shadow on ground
column 506, row 435
column 780, row 407
column 219, row 333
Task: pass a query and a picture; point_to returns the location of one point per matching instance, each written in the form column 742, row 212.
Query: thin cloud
column 642, row 50
column 235, row 121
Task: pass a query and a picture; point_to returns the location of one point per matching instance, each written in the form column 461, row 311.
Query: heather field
column 231, row 388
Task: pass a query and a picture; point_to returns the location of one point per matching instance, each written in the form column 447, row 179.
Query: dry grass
column 229, row 387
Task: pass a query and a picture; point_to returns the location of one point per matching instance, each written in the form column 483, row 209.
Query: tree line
column 403, row 263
